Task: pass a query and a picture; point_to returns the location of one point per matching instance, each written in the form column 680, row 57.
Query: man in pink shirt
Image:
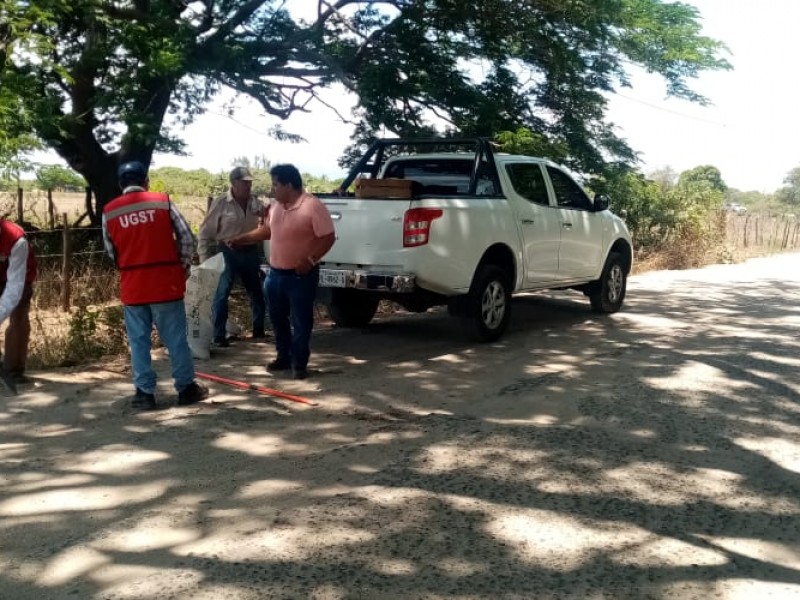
column 301, row 232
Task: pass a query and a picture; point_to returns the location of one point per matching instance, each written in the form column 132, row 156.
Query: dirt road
column 652, row 454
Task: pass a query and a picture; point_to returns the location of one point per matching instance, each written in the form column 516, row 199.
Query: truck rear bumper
column 362, row 279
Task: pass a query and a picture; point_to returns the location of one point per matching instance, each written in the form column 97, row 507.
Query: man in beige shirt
column 228, row 216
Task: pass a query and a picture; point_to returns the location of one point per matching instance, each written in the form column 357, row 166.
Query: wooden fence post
column 65, row 270
column 746, row 229
column 51, row 210
column 19, row 206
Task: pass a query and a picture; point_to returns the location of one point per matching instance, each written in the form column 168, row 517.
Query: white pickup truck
column 470, row 229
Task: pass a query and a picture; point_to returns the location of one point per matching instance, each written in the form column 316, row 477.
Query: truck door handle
column 527, row 221
column 567, row 225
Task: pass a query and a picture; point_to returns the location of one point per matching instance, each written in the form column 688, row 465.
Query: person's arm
column 259, row 234
column 183, row 233
column 109, row 245
column 320, row 247
column 207, row 234
column 15, row 278
column 325, row 236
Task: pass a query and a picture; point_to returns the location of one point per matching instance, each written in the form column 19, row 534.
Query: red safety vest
column 141, row 232
column 10, row 233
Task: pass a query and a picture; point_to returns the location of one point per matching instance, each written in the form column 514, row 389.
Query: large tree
column 104, row 81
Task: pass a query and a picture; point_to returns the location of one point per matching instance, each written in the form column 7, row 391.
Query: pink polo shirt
column 295, row 228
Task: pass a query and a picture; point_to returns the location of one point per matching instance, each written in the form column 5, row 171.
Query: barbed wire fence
column 764, row 232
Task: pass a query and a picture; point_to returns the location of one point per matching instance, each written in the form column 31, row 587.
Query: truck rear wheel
column 608, row 293
column 488, row 304
column 352, row 308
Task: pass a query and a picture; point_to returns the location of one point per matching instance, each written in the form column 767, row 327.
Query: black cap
column 132, row 170
column 241, row 174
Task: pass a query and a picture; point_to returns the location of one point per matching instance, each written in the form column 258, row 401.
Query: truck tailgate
column 368, row 231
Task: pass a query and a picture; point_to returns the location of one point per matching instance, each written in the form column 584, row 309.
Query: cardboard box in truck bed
column 384, row 188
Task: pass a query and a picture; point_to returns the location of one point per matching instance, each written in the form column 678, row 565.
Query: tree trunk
column 87, row 156
column 105, row 188
column 98, row 167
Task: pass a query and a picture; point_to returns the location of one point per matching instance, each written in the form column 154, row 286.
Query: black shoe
column 259, row 334
column 221, row 342
column 194, row 392
column 278, row 365
column 300, row 374
column 21, row 379
column 143, row 401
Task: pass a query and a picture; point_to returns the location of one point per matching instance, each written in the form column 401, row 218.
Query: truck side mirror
column 601, row 203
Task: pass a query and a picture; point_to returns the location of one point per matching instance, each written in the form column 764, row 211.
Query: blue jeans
column 245, row 263
column 291, row 310
column 170, row 321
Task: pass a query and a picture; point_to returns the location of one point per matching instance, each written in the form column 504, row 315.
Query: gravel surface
column 651, row 454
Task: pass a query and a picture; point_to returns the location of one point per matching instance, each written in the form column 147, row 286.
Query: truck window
column 442, row 176
column 528, row 181
column 568, row 193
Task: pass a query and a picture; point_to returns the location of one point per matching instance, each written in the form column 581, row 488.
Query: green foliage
column 704, row 175
column 638, row 200
column 524, row 141
column 104, row 82
column 14, row 155
column 691, row 202
column 316, row 184
column 659, row 215
column 52, row 177
column 180, row 183
column 82, row 336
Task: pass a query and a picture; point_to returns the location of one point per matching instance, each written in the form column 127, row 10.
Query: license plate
column 333, row 278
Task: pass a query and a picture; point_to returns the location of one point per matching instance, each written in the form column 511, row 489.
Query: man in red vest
column 17, row 274
column 152, row 245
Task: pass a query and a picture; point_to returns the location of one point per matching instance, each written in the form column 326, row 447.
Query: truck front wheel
column 351, row 308
column 608, row 293
column 487, row 307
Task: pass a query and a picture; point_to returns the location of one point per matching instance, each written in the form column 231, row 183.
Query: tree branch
column 244, row 12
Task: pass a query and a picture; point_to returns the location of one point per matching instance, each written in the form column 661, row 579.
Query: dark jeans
column 291, row 310
column 242, row 262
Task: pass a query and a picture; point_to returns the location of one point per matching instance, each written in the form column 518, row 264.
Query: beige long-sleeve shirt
column 226, row 219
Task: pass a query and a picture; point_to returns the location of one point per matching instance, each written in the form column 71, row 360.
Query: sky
column 750, row 132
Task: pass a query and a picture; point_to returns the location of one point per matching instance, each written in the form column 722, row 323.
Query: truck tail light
column 417, row 225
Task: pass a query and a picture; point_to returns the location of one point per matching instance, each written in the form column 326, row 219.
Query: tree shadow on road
column 651, row 454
